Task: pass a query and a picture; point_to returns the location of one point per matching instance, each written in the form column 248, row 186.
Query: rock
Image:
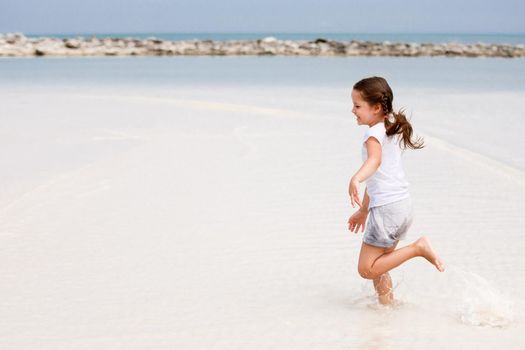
column 72, row 43
column 269, row 39
column 13, row 38
column 16, row 44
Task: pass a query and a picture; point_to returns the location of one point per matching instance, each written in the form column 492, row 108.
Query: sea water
column 457, row 82
column 201, row 202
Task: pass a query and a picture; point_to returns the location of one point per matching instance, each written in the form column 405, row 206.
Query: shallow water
column 143, row 213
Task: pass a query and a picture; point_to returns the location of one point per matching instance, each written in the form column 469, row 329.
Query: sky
column 297, row 16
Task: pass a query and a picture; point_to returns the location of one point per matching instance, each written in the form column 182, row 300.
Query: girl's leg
column 375, row 261
column 383, row 287
column 383, row 284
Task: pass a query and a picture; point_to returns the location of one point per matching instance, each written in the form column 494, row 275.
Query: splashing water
column 368, row 297
column 474, row 300
column 481, row 304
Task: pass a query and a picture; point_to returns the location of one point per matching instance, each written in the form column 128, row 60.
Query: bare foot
column 426, row 251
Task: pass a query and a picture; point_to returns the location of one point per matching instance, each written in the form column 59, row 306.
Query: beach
column 212, row 212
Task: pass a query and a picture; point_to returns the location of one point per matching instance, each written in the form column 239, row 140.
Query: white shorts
column 388, row 223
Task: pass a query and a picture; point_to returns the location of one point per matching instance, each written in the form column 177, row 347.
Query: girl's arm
column 358, row 219
column 366, row 200
column 369, row 167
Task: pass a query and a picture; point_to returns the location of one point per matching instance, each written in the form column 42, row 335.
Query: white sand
column 206, row 219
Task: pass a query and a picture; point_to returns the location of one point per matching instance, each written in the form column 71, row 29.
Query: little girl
column 386, row 201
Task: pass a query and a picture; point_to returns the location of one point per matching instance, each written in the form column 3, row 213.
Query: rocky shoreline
column 18, row 45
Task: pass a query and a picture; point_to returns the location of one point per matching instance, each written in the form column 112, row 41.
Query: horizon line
column 258, row 32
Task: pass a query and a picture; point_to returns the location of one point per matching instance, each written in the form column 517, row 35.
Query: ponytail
column 400, row 125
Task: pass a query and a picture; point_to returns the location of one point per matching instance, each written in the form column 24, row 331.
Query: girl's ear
column 377, row 108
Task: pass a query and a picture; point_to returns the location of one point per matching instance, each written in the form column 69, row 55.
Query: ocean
column 419, row 76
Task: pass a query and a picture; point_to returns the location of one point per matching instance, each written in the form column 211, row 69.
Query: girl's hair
column 376, row 90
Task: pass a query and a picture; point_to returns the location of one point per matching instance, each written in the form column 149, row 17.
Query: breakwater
column 18, row 45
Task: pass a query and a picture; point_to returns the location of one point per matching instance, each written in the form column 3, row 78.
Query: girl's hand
column 357, row 221
column 353, row 191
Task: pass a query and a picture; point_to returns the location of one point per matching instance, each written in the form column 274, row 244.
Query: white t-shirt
column 388, row 184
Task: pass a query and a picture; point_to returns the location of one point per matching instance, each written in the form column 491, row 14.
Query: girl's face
column 365, row 114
